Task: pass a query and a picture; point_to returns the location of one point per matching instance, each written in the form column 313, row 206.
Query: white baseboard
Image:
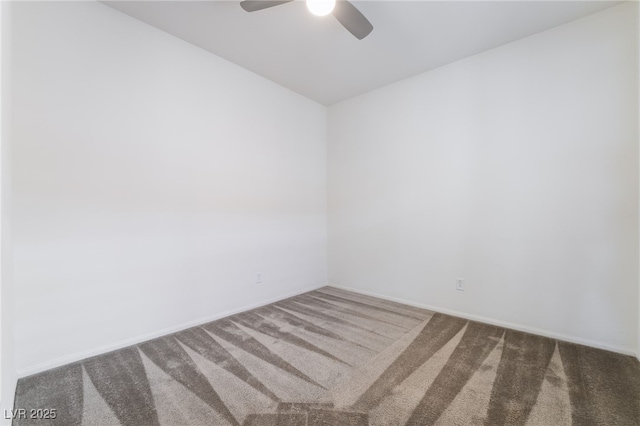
column 505, row 324
column 78, row 356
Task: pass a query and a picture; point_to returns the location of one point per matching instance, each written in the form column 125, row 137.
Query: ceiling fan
column 344, row 11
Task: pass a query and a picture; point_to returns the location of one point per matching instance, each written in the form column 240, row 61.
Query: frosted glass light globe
column 321, row 7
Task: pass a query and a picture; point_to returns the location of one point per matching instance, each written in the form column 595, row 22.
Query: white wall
column 515, row 169
column 151, row 182
column 7, row 295
column 638, row 78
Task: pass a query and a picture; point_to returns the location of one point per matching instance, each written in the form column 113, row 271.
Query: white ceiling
column 321, row 60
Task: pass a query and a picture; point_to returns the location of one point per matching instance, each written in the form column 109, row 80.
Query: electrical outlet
column 259, row 278
column 460, row 284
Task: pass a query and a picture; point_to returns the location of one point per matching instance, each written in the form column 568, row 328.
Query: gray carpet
column 331, row 357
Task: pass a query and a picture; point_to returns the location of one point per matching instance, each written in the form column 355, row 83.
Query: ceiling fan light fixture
column 321, row 7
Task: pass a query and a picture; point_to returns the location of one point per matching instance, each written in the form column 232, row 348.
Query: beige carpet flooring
column 332, row 357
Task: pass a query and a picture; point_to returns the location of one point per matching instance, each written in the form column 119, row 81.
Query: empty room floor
column 332, row 357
